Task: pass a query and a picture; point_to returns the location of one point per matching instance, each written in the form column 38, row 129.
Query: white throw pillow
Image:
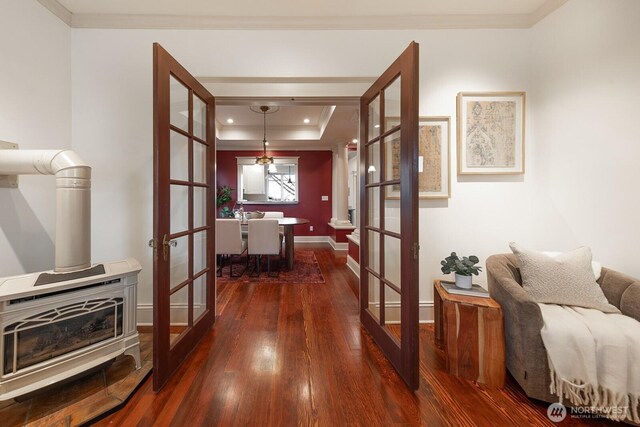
column 566, row 279
column 595, row 265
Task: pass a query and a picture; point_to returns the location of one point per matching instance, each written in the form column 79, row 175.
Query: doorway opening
column 395, row 93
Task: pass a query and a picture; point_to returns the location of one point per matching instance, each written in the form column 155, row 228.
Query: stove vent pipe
column 73, row 200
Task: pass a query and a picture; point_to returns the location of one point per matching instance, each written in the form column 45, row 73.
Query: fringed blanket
column 594, row 359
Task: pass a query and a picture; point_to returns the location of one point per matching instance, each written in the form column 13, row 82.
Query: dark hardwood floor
column 296, row 355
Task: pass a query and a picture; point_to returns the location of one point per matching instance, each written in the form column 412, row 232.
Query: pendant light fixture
column 264, row 159
column 289, row 181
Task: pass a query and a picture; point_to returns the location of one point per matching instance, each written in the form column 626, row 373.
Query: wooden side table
column 472, row 332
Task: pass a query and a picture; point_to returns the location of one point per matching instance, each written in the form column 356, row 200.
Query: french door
column 389, row 215
column 183, row 216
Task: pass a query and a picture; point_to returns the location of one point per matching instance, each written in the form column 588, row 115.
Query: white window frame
column 244, row 161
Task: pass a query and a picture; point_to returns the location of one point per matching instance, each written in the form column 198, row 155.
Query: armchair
column 526, row 354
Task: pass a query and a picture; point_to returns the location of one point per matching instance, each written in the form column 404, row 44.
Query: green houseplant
column 223, row 196
column 463, row 268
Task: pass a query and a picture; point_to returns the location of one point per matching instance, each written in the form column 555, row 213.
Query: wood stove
column 56, row 325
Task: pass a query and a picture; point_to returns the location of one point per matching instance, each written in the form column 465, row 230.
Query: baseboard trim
column 145, row 314
column 311, row 239
column 338, row 246
column 178, row 313
column 353, row 266
column 425, row 310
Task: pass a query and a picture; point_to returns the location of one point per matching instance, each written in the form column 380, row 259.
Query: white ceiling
column 286, row 115
column 329, row 125
column 296, row 14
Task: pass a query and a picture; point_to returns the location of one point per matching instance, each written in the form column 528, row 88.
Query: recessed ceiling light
column 354, row 140
column 306, row 121
column 229, row 120
column 376, row 126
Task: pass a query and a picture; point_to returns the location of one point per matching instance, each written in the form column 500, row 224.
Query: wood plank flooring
column 292, row 354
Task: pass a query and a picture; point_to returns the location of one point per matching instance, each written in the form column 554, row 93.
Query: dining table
column 287, row 223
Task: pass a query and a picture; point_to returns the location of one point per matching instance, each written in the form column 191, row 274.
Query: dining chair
column 229, row 242
column 264, row 240
column 275, row 214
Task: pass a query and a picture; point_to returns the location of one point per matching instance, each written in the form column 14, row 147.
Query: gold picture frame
column 434, row 153
column 490, row 133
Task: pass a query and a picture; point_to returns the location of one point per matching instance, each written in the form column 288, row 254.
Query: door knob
column 166, row 243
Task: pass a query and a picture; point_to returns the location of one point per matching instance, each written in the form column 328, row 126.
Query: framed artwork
column 434, row 176
column 490, row 133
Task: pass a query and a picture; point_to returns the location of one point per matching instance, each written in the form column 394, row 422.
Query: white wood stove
column 54, row 326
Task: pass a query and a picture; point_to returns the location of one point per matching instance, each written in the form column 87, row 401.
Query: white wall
column 586, row 80
column 35, row 112
column 475, row 220
column 112, row 110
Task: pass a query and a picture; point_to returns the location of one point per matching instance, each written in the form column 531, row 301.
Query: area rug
column 305, row 270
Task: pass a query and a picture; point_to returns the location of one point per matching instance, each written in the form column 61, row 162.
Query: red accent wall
column 354, row 251
column 339, row 235
column 314, row 176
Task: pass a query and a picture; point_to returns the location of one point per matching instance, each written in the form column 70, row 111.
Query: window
column 274, row 183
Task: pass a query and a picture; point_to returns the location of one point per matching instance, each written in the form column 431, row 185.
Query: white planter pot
column 463, row 282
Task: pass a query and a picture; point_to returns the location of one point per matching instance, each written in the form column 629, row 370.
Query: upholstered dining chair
column 275, row 214
column 229, row 242
column 264, row 239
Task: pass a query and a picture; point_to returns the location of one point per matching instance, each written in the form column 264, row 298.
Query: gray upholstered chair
column 526, row 355
column 229, row 242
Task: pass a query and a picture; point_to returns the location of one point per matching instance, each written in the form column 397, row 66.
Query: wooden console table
column 472, row 332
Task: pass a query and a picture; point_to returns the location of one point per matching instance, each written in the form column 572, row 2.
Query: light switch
column 325, row 198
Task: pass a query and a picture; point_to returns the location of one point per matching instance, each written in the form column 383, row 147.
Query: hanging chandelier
column 264, row 159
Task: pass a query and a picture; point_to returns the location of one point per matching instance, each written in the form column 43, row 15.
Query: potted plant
column 463, row 268
column 223, row 196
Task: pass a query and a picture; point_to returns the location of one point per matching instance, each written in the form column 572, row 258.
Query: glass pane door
column 389, row 267
column 184, row 155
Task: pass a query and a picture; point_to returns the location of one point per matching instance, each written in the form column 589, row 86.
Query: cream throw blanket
column 594, row 359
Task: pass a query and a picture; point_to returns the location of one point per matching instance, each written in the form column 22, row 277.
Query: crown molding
column 232, row 146
column 405, row 22
column 325, row 116
column 416, row 22
column 59, row 10
column 275, row 133
column 546, row 9
column 293, row 90
column 286, row 80
column 287, row 101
